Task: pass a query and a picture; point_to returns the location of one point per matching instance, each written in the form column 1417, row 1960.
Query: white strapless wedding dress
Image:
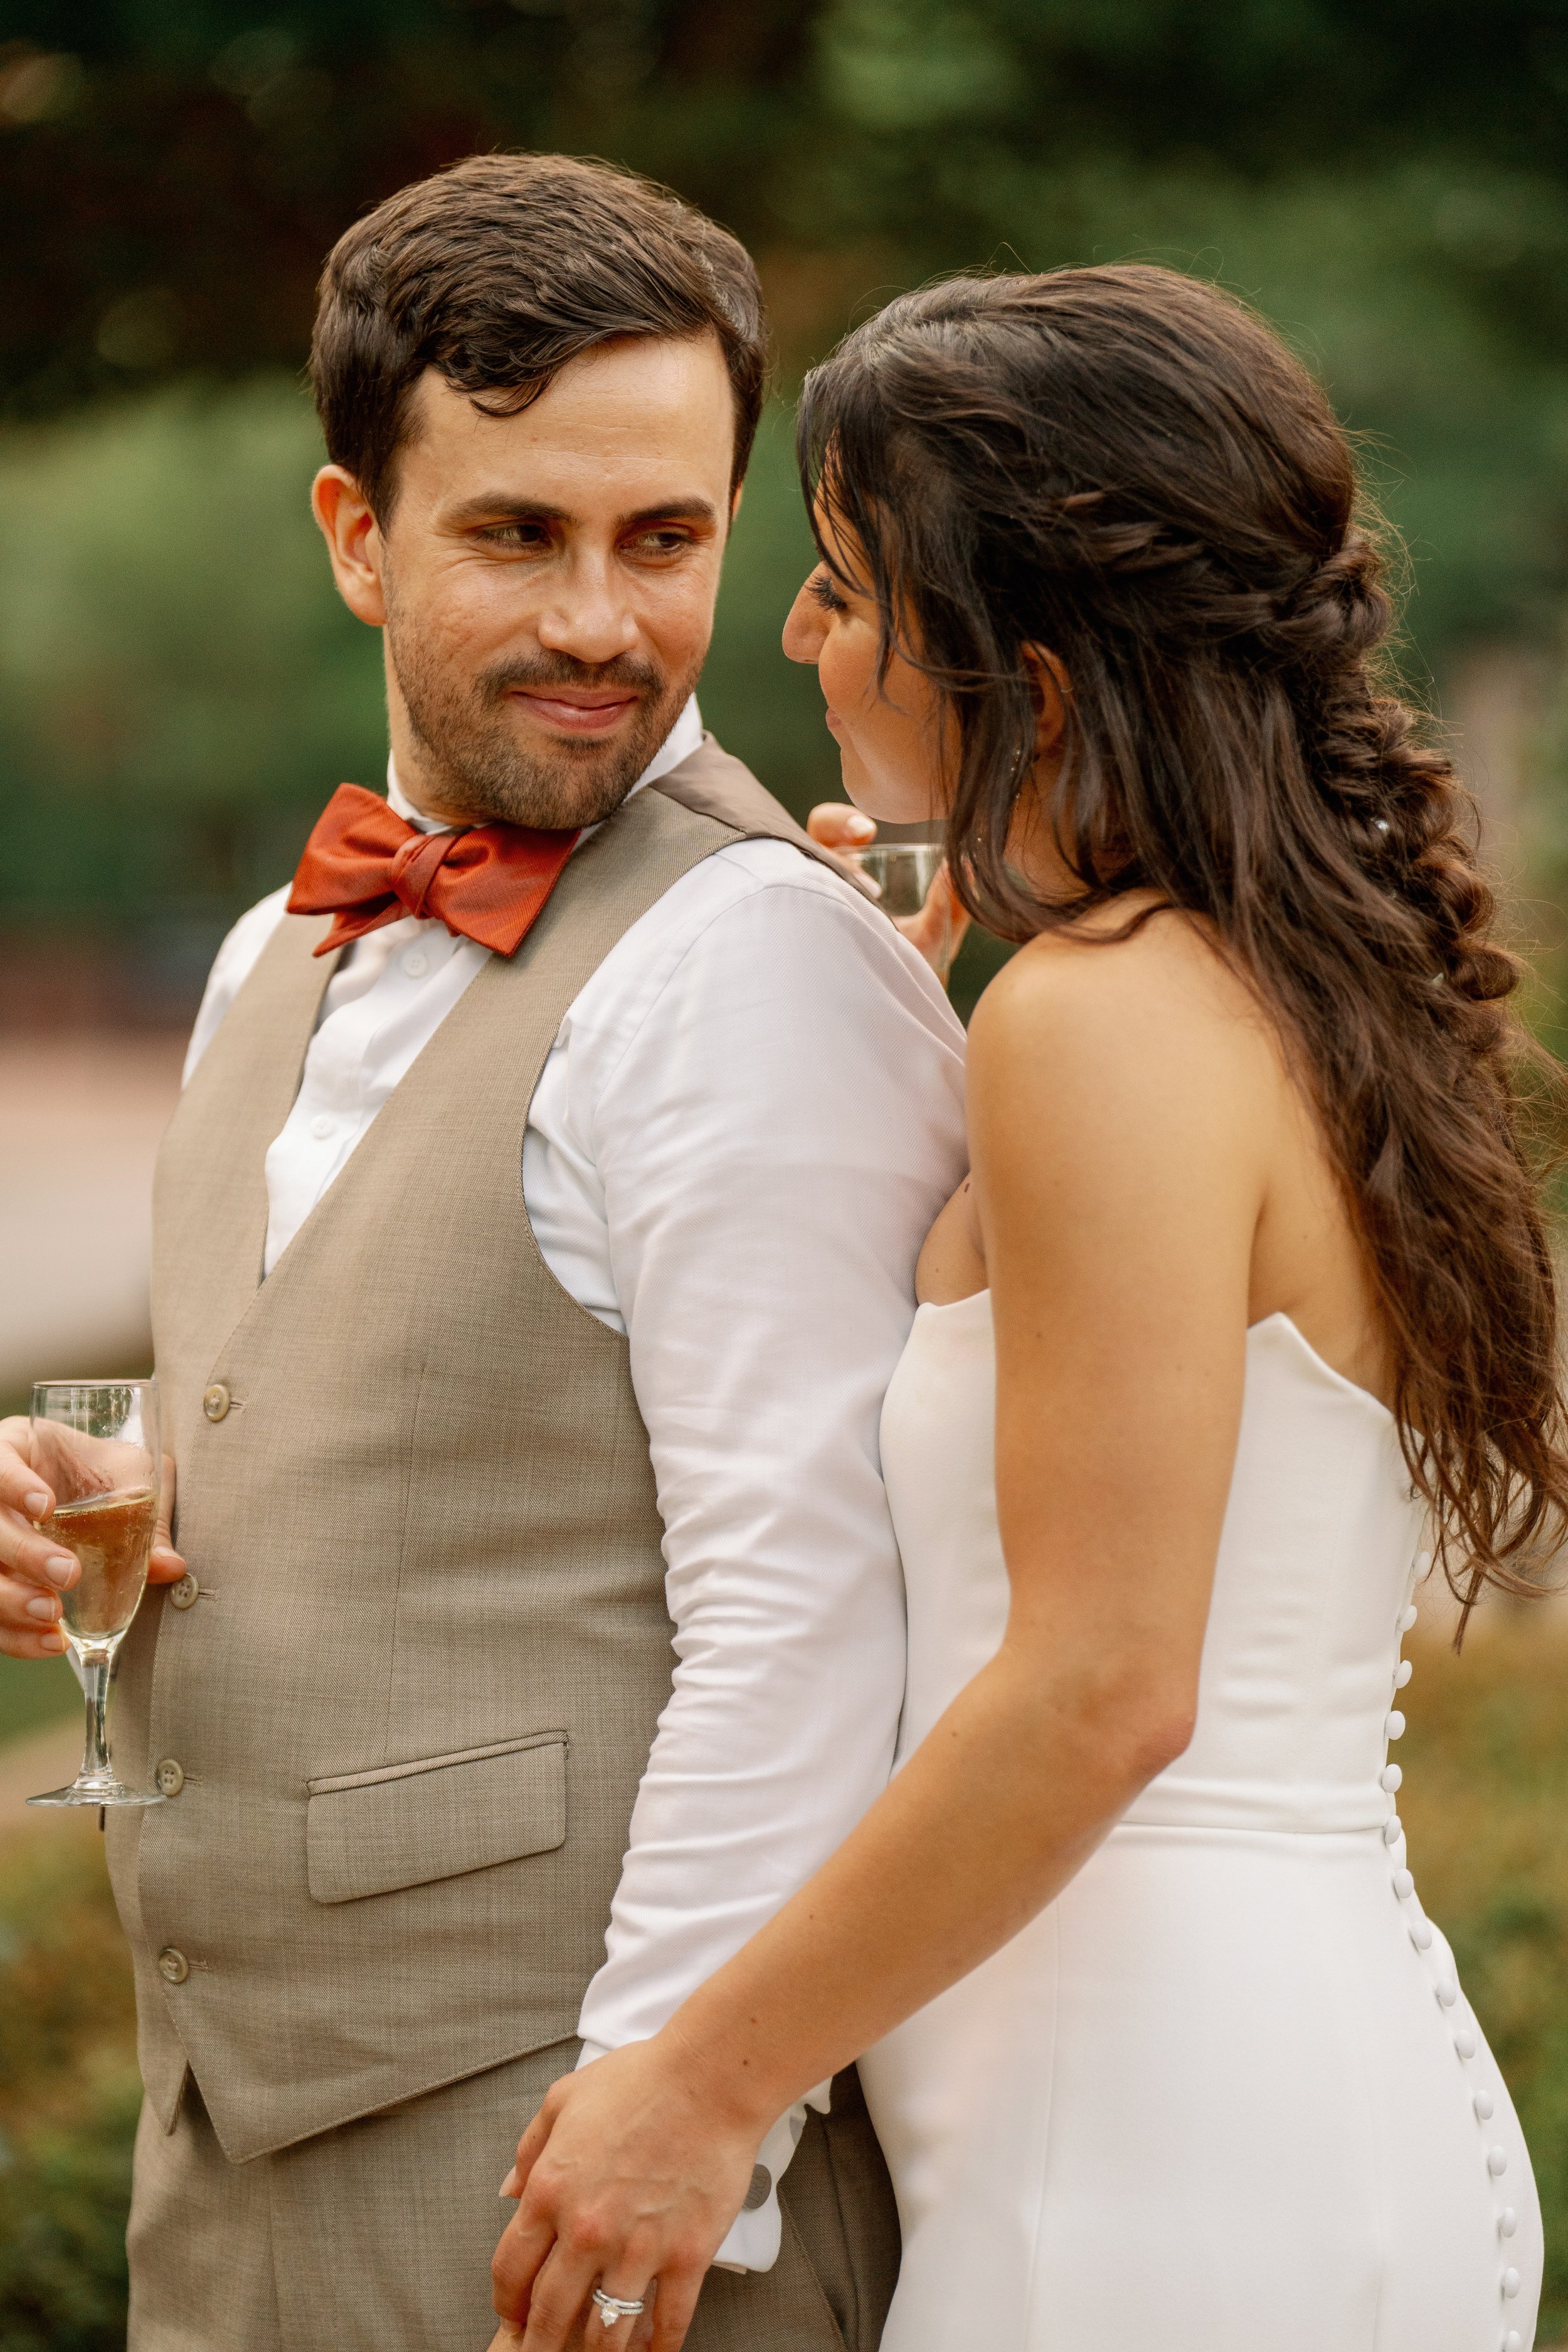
column 1225, row 2095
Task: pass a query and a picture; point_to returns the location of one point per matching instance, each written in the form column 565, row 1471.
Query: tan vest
column 407, row 1712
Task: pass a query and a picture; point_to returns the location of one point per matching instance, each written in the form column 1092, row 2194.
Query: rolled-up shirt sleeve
column 773, row 1143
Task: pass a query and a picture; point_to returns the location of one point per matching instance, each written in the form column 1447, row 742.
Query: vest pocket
column 406, row 1824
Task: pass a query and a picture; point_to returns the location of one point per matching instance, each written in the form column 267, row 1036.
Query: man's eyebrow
column 504, row 505
column 673, row 510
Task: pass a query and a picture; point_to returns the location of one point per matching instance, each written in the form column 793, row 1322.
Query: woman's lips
column 572, row 717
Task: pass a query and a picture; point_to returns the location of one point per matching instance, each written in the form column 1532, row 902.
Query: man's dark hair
column 499, row 271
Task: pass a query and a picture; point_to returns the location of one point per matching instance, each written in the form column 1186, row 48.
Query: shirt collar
column 684, row 737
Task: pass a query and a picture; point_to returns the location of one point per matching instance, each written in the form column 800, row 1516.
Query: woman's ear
column 1052, row 692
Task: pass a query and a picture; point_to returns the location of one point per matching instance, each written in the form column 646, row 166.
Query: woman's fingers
column 521, row 2252
column 559, row 2293
column 834, row 825
column 938, row 929
column 674, row 2305
column 165, row 1566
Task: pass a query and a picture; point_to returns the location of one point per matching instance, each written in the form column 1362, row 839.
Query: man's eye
column 529, row 535
column 659, row 542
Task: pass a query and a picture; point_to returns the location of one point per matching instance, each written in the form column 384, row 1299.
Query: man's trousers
column 377, row 2237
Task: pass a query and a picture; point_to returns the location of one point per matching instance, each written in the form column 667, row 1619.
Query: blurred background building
column 180, row 691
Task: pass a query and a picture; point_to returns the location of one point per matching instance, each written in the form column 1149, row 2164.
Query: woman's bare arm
column 1119, row 1130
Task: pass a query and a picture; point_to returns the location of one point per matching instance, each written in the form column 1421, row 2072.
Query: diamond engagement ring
column 616, row 2306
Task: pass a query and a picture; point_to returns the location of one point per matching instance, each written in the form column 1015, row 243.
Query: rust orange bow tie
column 367, row 866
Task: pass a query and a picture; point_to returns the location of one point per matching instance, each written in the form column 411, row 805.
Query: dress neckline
column 1266, row 1323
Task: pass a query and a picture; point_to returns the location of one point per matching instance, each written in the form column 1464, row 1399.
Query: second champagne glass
column 97, row 1444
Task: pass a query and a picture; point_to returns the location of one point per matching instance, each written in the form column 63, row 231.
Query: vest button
column 173, row 1966
column 170, row 1777
column 182, row 1595
column 216, row 1402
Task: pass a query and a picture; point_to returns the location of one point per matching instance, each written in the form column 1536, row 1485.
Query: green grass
column 1484, row 1800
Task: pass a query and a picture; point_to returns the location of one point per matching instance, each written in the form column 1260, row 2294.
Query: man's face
column 546, row 581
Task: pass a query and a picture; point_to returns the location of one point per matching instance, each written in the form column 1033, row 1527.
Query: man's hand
column 35, row 1571
column 937, row 931
column 626, row 2178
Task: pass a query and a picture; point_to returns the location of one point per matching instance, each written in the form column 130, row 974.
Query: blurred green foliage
column 68, row 2096
column 179, row 690
column 1486, row 1767
column 34, row 1692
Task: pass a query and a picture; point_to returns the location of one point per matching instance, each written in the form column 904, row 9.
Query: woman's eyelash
column 822, row 588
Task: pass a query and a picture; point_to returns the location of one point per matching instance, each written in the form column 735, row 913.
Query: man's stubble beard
column 475, row 766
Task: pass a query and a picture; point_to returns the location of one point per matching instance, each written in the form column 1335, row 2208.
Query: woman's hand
column 937, row 931
column 626, row 2176
column 33, row 1569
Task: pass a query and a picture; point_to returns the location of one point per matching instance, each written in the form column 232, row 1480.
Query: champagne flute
column 96, row 1443
column 904, row 873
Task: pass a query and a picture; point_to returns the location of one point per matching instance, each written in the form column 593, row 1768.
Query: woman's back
column 1225, row 2091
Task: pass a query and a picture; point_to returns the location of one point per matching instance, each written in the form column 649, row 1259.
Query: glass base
column 100, row 1792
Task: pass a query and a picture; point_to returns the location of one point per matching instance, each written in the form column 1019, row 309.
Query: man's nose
column 589, row 615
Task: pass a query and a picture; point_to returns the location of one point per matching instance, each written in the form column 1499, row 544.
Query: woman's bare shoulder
column 1167, row 975
column 1151, row 1031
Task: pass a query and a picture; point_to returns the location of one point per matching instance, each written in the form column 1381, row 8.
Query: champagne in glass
column 96, row 1444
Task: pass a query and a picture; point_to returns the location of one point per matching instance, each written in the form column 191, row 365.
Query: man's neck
column 684, row 737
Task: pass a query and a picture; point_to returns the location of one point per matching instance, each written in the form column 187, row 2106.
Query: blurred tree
column 1386, row 178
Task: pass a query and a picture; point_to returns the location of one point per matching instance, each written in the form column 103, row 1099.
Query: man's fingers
column 29, row 1621
column 834, row 825
column 165, row 1566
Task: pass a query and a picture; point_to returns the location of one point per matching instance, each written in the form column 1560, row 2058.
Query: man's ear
column 736, row 495
column 1052, row 690
column 353, row 542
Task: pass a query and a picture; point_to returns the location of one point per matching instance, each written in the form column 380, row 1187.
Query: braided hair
column 1128, row 469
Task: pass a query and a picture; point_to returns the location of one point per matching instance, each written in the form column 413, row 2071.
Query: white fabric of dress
column 1225, row 2095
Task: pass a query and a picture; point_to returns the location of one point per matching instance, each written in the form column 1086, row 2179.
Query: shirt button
column 1392, row 1830
column 1402, row 1673
column 1465, row 2044
column 170, row 1777
column 1392, row 1777
column 182, row 1595
column 173, row 1966
column 322, row 1127
column 216, row 1401
column 1507, row 2223
column 1483, row 2104
column 1404, row 1884
column 1421, row 1935
column 1408, row 1618
column 1497, row 2162
column 1394, row 1727
column 1511, row 2283
column 761, row 2189
column 1447, row 1990
column 416, row 963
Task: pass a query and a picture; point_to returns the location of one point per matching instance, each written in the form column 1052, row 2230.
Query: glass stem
column 96, row 1667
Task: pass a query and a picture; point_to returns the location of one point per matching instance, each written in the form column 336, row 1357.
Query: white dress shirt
column 749, row 1120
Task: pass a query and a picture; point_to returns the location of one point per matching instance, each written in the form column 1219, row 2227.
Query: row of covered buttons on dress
column 1444, row 1987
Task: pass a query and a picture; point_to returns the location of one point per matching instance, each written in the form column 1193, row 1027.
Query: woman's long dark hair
column 1127, row 468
